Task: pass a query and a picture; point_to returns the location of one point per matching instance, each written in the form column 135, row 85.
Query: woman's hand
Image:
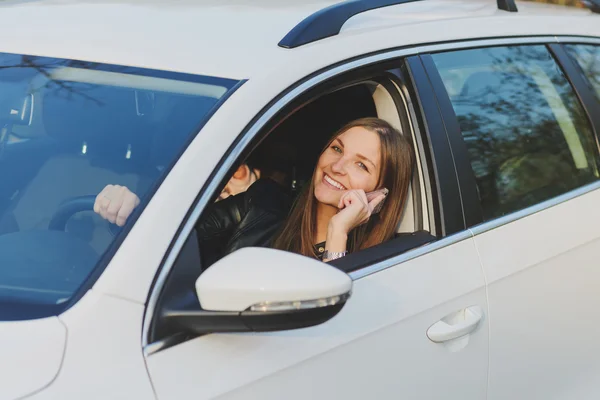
column 355, row 210
column 115, row 203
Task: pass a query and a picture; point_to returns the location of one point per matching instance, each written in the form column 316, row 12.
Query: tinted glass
column 526, row 133
column 588, row 59
column 67, row 129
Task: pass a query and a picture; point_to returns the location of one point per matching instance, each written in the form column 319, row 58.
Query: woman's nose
column 339, row 166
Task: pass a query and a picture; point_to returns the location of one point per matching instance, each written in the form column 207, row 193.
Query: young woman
column 366, row 163
column 334, row 214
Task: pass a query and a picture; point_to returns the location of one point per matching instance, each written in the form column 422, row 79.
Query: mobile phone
column 374, row 194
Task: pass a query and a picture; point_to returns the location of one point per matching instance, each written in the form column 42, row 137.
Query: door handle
column 442, row 331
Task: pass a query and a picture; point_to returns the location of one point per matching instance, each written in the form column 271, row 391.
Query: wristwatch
column 332, row 255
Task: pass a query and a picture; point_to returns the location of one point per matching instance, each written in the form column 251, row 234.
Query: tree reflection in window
column 588, row 59
column 526, row 133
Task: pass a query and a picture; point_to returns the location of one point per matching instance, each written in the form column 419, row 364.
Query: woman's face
column 352, row 161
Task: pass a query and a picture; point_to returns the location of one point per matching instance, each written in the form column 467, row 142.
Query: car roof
column 236, row 38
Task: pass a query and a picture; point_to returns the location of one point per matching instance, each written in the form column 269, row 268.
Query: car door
column 415, row 327
column 533, row 157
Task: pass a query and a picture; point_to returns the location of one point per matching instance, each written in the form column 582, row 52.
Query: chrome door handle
column 442, row 331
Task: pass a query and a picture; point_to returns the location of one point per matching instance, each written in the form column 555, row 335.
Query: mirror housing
column 259, row 290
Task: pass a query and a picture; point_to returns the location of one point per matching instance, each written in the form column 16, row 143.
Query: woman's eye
column 363, row 166
column 336, row 148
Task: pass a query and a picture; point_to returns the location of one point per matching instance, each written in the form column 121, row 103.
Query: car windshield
column 67, row 129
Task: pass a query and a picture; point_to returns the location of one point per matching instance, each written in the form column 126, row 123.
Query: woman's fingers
column 349, row 199
column 356, row 197
column 341, row 203
column 365, row 209
column 363, row 198
column 361, row 202
column 357, row 200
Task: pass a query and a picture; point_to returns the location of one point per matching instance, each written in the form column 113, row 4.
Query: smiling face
column 351, row 161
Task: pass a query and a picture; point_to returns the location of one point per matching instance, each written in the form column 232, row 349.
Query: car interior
column 88, row 143
column 65, row 133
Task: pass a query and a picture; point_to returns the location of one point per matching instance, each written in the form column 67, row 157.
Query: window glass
column 68, row 129
column 588, row 59
column 526, row 133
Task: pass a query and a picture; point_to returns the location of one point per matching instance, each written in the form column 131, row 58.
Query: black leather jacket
column 249, row 219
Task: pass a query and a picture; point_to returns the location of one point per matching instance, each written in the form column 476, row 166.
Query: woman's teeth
column 334, row 183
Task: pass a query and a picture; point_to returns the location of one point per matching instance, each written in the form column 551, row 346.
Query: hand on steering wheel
column 115, row 203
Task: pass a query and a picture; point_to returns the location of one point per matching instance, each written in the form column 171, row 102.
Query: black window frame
column 472, row 209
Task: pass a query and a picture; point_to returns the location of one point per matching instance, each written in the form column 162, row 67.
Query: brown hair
column 298, row 232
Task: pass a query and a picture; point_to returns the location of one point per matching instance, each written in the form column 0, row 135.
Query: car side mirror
column 259, row 289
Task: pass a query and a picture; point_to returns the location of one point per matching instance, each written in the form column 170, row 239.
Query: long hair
column 298, row 232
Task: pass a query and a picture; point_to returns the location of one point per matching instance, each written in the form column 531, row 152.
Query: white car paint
column 180, row 35
column 378, row 338
column 31, row 353
column 103, row 353
column 103, row 358
column 543, row 298
column 291, row 279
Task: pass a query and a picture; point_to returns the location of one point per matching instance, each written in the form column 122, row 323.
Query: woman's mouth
column 333, row 183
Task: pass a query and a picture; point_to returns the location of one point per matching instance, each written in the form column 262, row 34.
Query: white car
column 490, row 289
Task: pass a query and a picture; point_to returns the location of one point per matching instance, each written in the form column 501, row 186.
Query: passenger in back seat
column 248, row 211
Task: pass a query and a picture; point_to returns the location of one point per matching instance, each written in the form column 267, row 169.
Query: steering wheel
column 71, row 207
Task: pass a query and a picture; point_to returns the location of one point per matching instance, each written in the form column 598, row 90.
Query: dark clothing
column 249, row 219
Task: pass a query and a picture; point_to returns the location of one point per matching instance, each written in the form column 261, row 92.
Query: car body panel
column 31, row 353
column 386, row 321
column 180, row 35
column 379, row 337
column 544, row 296
column 103, row 357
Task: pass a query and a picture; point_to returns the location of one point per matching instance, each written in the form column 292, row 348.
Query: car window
column 588, row 59
column 526, row 133
column 69, row 128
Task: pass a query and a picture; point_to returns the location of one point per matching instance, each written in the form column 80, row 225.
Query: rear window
column 527, row 135
column 67, row 129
